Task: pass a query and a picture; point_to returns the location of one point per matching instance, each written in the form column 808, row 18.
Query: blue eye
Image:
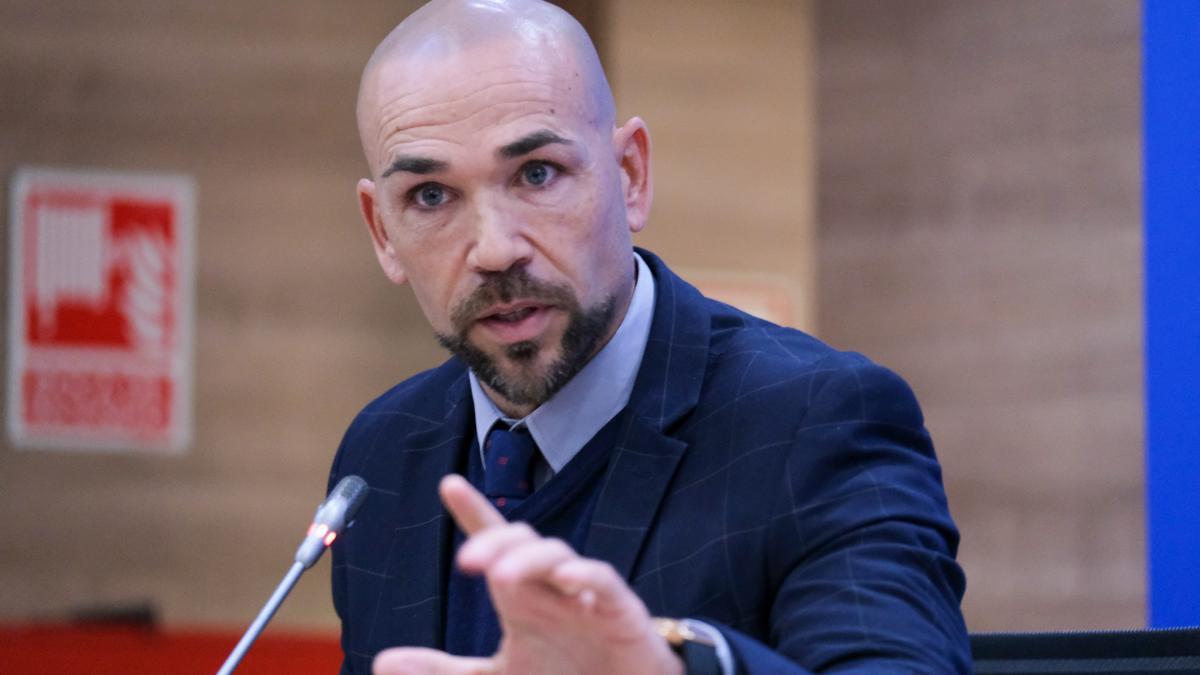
column 428, row 195
column 537, row 173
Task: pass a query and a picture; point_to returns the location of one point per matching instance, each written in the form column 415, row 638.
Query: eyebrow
column 521, row 146
column 417, row 165
column 527, row 144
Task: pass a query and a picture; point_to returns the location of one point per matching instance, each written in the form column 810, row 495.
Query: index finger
column 470, row 510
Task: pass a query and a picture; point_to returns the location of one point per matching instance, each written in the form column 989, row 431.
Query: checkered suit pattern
column 764, row 482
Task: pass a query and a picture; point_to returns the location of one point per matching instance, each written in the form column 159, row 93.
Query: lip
column 528, row 327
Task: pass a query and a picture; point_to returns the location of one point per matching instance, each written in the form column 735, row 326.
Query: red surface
column 66, row 650
column 81, row 322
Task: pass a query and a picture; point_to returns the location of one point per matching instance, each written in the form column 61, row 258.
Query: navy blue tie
column 509, row 459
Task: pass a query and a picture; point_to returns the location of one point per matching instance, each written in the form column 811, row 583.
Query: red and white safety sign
column 100, row 310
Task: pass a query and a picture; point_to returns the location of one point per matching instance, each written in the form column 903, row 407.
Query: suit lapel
column 667, row 389
column 432, row 452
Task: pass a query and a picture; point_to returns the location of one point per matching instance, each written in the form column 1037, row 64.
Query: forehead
column 475, row 97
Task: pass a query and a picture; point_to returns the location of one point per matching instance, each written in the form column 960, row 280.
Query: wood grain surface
column 980, row 232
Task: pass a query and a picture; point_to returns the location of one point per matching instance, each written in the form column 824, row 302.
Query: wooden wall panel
column 296, row 328
column 727, row 91
column 980, row 232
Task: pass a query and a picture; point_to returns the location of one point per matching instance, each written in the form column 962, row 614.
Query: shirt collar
column 564, row 424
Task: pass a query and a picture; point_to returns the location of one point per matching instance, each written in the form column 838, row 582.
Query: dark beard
column 584, row 330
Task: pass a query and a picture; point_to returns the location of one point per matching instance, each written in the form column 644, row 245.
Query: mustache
column 513, row 284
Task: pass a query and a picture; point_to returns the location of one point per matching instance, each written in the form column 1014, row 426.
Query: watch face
column 670, row 630
column 678, row 631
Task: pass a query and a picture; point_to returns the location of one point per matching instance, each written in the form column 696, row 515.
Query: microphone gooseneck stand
column 260, row 622
column 333, row 516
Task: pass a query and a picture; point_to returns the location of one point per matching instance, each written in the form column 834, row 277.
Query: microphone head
column 342, row 503
column 332, row 516
column 350, row 488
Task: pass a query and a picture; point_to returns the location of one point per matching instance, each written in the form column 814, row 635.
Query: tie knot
column 510, row 457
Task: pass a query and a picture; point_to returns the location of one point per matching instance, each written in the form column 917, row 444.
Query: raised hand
column 560, row 612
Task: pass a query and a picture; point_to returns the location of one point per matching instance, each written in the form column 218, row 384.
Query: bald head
column 502, row 191
column 447, row 44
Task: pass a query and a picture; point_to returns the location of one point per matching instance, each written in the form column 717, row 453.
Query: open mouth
column 513, row 316
column 515, row 323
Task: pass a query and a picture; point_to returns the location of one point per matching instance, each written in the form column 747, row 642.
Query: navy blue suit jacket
column 784, row 491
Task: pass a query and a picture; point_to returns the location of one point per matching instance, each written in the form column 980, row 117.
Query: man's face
column 504, row 205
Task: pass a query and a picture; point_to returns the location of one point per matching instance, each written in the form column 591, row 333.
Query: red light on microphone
column 316, row 530
column 330, row 537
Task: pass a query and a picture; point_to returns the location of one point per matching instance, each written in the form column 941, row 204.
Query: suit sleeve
column 862, row 545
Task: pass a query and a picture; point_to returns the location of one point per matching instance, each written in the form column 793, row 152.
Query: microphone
column 333, row 515
column 331, row 518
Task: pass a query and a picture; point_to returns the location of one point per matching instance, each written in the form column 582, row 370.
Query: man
column 641, row 451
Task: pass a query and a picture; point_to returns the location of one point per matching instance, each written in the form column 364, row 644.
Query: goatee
column 523, row 386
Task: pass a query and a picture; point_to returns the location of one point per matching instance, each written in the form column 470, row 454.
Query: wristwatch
column 702, row 647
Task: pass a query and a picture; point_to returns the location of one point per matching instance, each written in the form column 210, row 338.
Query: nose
column 499, row 239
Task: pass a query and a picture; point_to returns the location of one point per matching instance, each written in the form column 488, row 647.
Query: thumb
column 422, row 661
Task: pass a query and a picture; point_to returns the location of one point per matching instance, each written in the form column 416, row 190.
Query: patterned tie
column 510, row 457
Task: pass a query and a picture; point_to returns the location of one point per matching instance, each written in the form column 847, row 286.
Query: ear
column 632, row 145
column 379, row 235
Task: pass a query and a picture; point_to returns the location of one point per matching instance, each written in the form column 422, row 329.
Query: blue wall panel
column 1171, row 51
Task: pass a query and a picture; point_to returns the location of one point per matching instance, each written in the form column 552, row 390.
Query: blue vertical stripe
column 1171, row 77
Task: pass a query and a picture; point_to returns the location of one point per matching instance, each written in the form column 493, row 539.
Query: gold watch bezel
column 677, row 632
